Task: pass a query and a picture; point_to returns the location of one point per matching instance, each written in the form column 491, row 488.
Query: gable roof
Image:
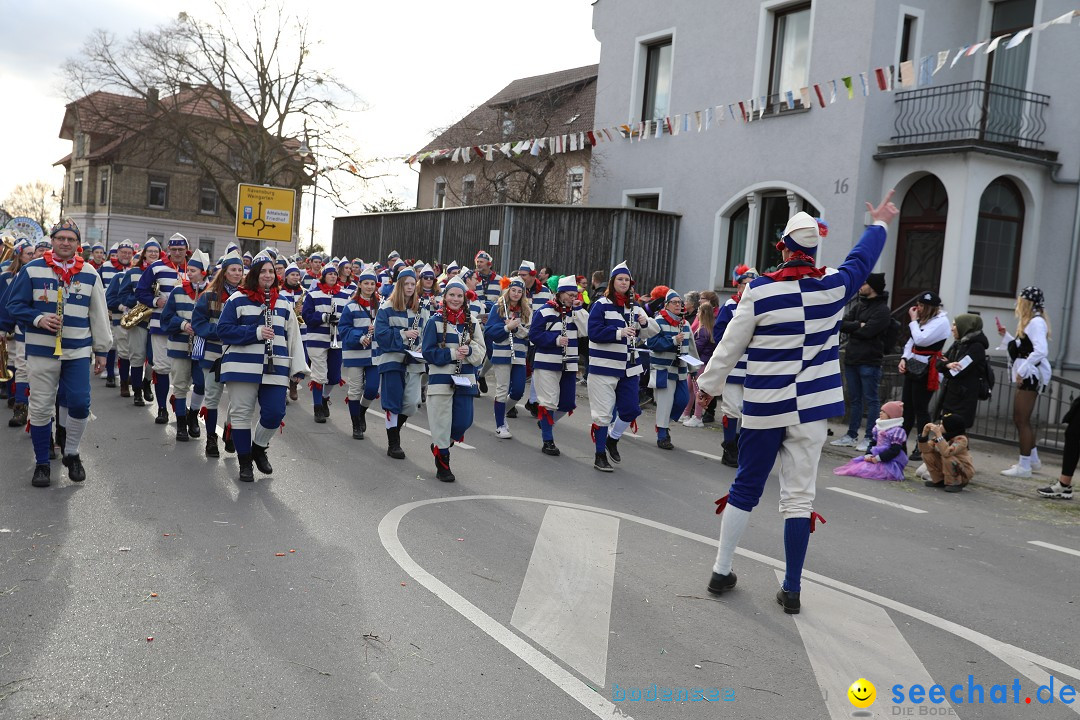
column 573, row 114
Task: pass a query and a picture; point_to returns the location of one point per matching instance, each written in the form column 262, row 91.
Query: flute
column 268, row 319
column 59, row 349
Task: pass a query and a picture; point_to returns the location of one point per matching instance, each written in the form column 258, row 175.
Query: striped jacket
column 177, row 311
column 546, row 329
column 609, row 351
column 244, row 354
column 540, row 294
column 7, row 321
column 357, row 322
column 489, row 288
column 723, row 319
column 86, row 329
column 204, row 320
column 316, row 311
column 390, row 327
column 504, row 350
column 166, row 277
column 665, row 353
column 442, row 364
column 108, row 272
column 789, row 331
column 124, row 294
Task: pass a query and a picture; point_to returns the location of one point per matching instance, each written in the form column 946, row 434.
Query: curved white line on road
column 1022, row 660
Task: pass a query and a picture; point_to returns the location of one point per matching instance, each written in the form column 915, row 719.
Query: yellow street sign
column 264, row 213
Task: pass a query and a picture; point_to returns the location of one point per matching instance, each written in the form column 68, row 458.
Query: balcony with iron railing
column 970, row 116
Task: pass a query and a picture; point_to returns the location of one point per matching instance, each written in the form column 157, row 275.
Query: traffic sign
column 264, row 213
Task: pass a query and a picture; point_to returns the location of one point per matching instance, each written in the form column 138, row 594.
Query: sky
column 418, row 66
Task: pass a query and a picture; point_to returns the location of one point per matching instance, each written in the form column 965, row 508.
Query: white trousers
column 120, row 341
column 665, row 398
column 180, row 377
column 213, row 390
column 18, row 357
column 356, row 377
column 44, row 378
column 502, row 385
column 136, row 346
column 799, row 456
column 601, row 397
column 243, row 397
column 731, row 401
column 547, row 387
column 440, row 416
column 162, row 361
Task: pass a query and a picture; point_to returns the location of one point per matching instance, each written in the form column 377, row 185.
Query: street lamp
column 306, row 151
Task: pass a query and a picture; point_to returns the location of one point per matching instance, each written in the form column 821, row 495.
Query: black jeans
column 916, row 399
column 1072, row 447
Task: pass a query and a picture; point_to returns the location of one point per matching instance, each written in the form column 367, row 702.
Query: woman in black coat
column 960, row 394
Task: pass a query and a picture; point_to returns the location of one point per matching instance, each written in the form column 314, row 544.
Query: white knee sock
column 326, row 389
column 391, row 420
column 732, row 526
column 1025, row 462
column 262, row 435
column 1035, row 457
column 196, row 401
column 364, row 402
column 75, row 428
column 556, row 416
column 617, row 428
column 532, row 392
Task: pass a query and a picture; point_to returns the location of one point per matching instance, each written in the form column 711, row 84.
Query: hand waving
column 886, row 211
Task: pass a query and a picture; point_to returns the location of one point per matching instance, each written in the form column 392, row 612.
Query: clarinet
column 463, row 340
column 632, row 342
column 565, row 324
column 268, row 320
column 416, row 322
column 58, row 350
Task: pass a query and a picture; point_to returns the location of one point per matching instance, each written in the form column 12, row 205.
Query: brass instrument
column 5, row 374
column 59, row 349
column 298, row 305
column 7, row 249
column 138, row 314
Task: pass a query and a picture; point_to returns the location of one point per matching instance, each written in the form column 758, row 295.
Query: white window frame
column 570, row 185
column 435, row 195
column 467, row 195
column 628, row 196
column 103, row 186
column 637, row 78
column 204, row 243
column 919, row 15
column 185, row 152
column 150, row 184
column 77, row 188
column 203, row 187
column 766, row 24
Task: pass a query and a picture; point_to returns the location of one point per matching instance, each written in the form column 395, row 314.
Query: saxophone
column 140, row 313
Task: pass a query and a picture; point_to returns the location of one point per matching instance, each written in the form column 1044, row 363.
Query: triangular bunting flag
column 942, row 58
column 820, row 95
column 1018, row 38
column 907, row 74
column 805, row 95
column 882, row 84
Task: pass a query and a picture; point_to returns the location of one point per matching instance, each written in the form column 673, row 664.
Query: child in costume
column 886, row 459
column 945, row 451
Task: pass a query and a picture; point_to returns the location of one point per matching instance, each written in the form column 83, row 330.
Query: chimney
column 151, row 98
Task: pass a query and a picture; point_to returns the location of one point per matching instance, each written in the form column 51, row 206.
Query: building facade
column 982, row 155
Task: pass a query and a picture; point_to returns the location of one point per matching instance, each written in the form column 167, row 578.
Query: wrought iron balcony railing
column 971, row 112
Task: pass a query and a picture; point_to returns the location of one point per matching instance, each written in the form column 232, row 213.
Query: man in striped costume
column 112, row 267
column 59, row 302
column 186, row 372
column 667, row 373
column 155, row 286
column 321, row 312
column 488, row 287
column 788, row 324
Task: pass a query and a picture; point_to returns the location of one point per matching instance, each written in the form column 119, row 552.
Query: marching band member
column 453, row 346
column 187, row 372
column 428, row 287
column 314, row 273
column 204, row 320
column 536, row 291
column 490, row 287
column 292, row 290
column 345, row 277
column 360, row 351
column 397, row 332
column 322, row 311
column 108, row 270
column 122, row 300
column 97, row 255
column 20, row 387
column 153, row 290
column 731, row 401
column 280, row 265
column 556, row 328
column 667, row 374
column 262, row 351
column 615, row 325
column 506, row 333
column 60, row 304
column 247, row 260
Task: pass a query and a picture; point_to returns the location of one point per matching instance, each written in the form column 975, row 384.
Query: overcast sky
column 418, row 64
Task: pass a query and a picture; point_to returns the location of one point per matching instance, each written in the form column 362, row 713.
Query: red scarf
column 364, row 303
column 798, row 266
column 116, row 264
column 933, row 379
column 189, row 288
column 671, row 320
column 470, row 295
column 454, row 317
column 620, row 300
column 96, row 266
column 64, row 275
column 311, row 273
column 169, row 263
column 330, row 290
column 563, row 310
column 259, row 297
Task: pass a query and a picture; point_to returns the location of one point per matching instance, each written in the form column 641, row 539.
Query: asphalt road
column 350, row 585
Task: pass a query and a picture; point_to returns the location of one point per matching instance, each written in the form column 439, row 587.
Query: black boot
column 148, row 391
column 613, row 450
column 442, row 465
column 363, row 419
column 664, row 442
column 393, row 444
column 193, row 424
column 229, row 446
column 326, row 407
column 358, row 427
column 789, row 601
column 41, row 476
column 512, row 412
column 136, row 394
column 482, row 383
column 75, row 468
column 601, row 463
column 247, row 473
column 110, row 382
column 258, row 454
column 731, row 455
column 292, row 390
column 181, row 429
column 319, row 416
column 162, row 417
column 52, row 450
column 19, row 415
column 401, row 420
column 212, row 447
column 533, row 408
column 61, row 438
column 550, row 449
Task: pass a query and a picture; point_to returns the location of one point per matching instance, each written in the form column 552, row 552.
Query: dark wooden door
column 920, row 241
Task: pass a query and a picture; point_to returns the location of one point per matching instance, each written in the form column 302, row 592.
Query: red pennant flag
column 882, row 82
column 742, row 109
column 820, row 95
column 592, row 138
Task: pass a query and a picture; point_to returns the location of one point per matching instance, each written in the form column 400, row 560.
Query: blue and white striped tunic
column 489, row 288
column 540, row 294
column 609, row 350
column 317, row 307
column 86, row 330
column 357, row 323
column 166, row 277
column 723, row 319
column 789, row 331
column 665, row 353
column 441, row 358
column 390, row 327
column 546, row 329
column 177, row 310
column 244, row 353
column 506, row 350
column 108, row 272
column 125, row 291
column 204, row 320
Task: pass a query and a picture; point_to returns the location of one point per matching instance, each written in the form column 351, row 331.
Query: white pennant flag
column 942, row 58
column 960, row 54
column 456, row 157
column 489, row 153
column 537, row 146
column 563, row 144
column 697, row 119
column 708, row 118
column 1018, row 38
column 573, row 142
column 677, row 125
column 761, row 106
column 466, row 154
column 505, row 149
column 1065, row 19
column 995, row 42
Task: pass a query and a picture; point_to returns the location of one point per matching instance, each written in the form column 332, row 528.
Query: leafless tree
column 36, row 200
column 239, row 101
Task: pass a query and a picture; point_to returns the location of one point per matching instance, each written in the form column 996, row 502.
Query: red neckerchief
column 116, row 264
column 486, row 278
column 95, row 265
column 798, row 266
column 313, row 274
column 454, row 317
column 64, row 275
column 189, row 288
column 259, row 297
column 169, row 263
column 330, row 290
column 470, row 295
column 671, row 320
column 563, row 310
column 620, row 300
column 737, row 297
column 363, row 303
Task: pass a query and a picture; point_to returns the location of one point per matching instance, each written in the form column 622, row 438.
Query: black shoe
column 613, row 450
column 19, row 416
column 181, row 429
column 789, row 601
column 393, row 444
column 110, row 382
column 162, row 417
column 931, row 483
column 211, row 447
column 731, row 455
column 319, row 416
column 137, row 396
column 357, row 427
column 601, row 463
column 363, row 419
column 442, row 466
column 953, row 488
column 326, row 407
column 664, row 443
column 915, row 455
column 482, row 382
column 193, row 424
column 719, row 584
column 707, row 418
column 75, row 468
column 247, row 473
column 61, row 438
column 41, row 476
column 258, row 456
column 148, row 391
column 533, row 408
column 512, row 412
column 550, row 449
column 230, row 447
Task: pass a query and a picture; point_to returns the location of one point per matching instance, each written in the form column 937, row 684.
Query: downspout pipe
column 1070, row 282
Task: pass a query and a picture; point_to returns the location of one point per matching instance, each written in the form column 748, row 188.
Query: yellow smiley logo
column 862, row 693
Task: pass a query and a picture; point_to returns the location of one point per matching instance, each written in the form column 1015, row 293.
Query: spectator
column 703, row 339
column 544, row 274
column 866, row 324
column 1071, row 454
column 929, row 326
column 1030, row 371
column 962, row 368
column 886, row 459
column 945, row 451
column 692, row 300
column 598, row 284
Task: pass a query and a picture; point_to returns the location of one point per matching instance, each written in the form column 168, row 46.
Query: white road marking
column 427, row 432
column 1051, row 546
column 871, row 498
column 565, row 599
column 847, row 639
column 717, row 458
column 1028, row 663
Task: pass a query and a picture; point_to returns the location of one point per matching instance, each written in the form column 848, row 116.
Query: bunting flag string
column 886, row 78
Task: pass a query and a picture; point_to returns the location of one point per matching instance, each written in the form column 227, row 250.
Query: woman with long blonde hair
column 398, row 326
column 1029, row 368
column 507, row 334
